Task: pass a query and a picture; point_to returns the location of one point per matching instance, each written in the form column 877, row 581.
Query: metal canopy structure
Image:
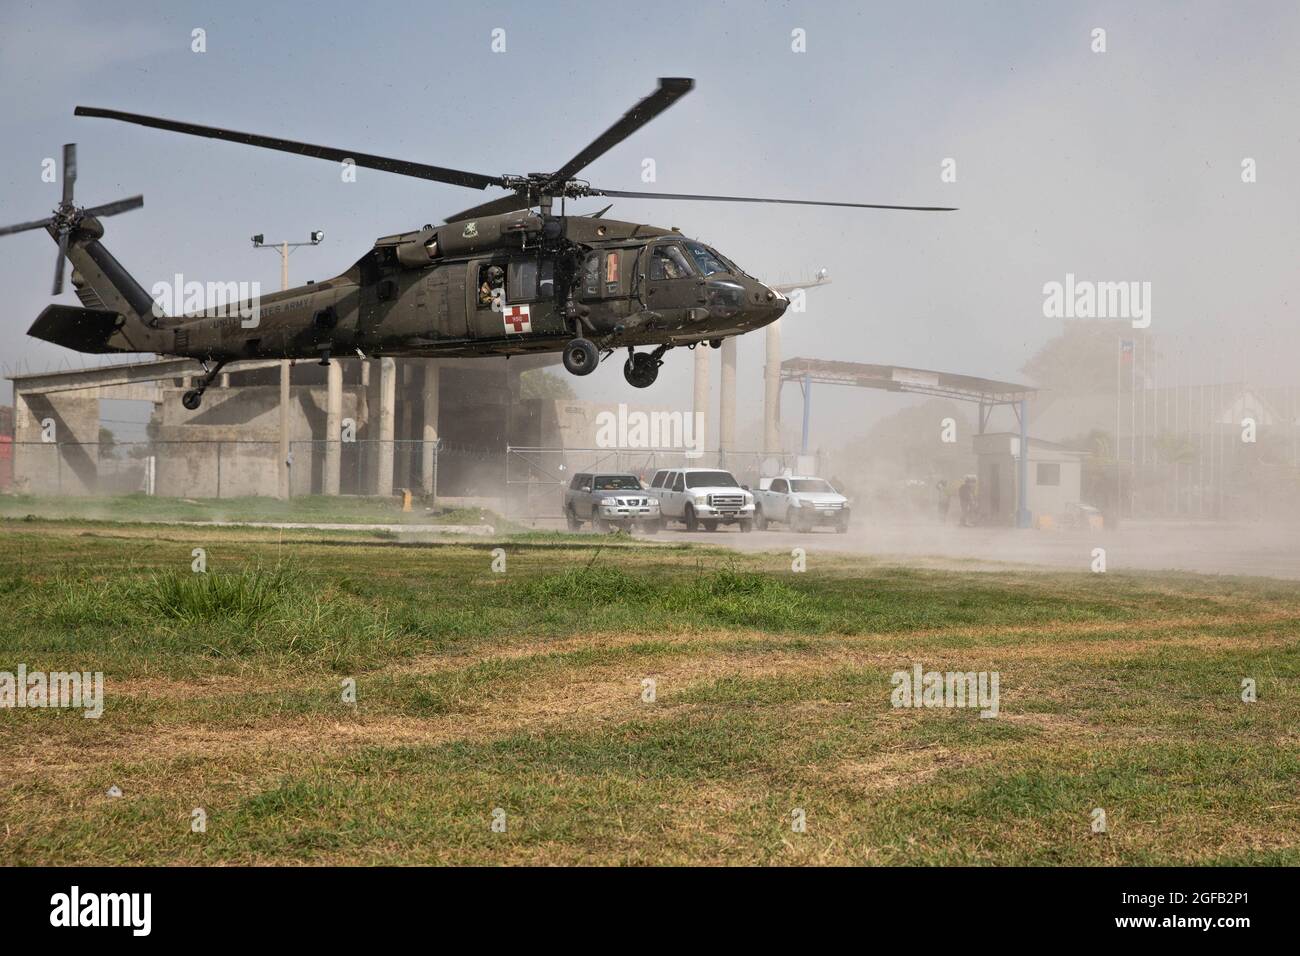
column 988, row 393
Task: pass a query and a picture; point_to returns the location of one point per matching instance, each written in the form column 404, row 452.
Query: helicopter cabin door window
column 611, row 272
column 591, row 275
column 528, row 280
column 491, row 284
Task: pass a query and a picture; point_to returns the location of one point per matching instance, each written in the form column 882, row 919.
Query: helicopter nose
column 776, row 303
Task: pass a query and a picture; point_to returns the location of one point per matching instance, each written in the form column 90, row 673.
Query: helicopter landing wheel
column 641, row 369
column 581, row 357
column 192, row 399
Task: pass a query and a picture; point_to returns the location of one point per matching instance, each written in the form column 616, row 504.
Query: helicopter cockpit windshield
column 711, row 261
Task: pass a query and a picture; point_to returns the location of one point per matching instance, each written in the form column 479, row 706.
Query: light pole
column 285, row 249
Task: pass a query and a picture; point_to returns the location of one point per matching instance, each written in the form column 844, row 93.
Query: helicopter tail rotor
column 67, row 218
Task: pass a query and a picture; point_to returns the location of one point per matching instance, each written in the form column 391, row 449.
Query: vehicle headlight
column 609, row 502
column 701, row 499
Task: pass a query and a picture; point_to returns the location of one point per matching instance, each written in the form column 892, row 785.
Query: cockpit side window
column 669, row 262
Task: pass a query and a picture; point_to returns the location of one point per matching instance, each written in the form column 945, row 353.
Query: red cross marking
column 517, row 316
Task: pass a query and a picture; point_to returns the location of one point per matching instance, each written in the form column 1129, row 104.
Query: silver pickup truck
column 801, row 502
column 609, row 500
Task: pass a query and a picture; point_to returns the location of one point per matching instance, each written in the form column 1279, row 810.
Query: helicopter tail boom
column 118, row 313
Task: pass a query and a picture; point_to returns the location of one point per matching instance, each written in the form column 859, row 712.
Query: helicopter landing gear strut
column 642, row 368
column 194, row 397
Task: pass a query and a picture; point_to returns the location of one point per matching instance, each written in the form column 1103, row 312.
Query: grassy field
column 309, row 509
column 523, row 691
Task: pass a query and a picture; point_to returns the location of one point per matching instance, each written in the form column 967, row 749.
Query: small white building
column 1055, row 474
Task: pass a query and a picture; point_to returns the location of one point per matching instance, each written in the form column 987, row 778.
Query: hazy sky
column 1123, row 165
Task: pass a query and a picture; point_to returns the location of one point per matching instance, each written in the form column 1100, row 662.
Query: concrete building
column 6, row 449
column 370, row 426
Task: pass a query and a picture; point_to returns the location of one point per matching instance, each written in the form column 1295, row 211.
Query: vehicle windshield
column 710, row 479
column 617, row 483
column 708, row 260
column 814, row 485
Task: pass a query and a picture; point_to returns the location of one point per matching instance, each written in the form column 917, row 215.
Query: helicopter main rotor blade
column 670, row 90
column 624, row 194
column 69, row 171
column 493, row 207
column 113, row 208
column 58, row 265
column 442, row 174
column 24, row 226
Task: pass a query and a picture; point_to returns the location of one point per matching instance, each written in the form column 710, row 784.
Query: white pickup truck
column 800, row 502
column 702, row 497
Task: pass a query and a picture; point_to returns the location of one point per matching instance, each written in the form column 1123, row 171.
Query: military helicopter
column 505, row 277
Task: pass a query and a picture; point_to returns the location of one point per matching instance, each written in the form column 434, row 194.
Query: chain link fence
column 236, row 469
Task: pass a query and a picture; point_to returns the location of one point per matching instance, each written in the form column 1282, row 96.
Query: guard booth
column 1055, row 474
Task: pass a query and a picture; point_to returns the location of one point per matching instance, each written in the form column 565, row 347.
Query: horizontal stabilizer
column 82, row 330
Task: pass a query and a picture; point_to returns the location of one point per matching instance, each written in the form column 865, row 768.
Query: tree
column 1082, row 359
column 912, row 442
column 1098, row 480
column 541, row 383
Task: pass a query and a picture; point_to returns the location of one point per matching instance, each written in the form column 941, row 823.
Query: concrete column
column 363, row 400
column 727, row 397
column 406, row 424
column 1023, row 517
column 432, row 379
column 807, row 412
column 772, row 391
column 333, row 427
column 284, row 429
column 387, row 418
column 701, row 408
